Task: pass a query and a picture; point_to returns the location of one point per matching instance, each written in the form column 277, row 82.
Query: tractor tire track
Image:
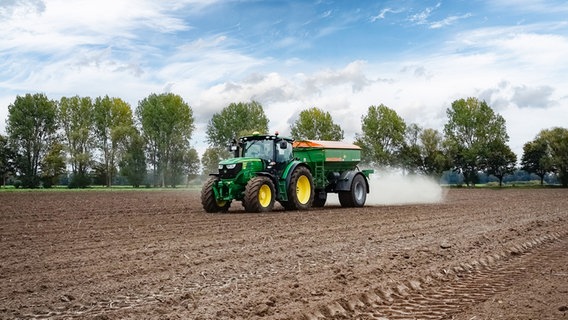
column 438, row 295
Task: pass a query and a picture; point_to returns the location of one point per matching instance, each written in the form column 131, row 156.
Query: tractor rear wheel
column 208, row 200
column 300, row 190
column 357, row 196
column 259, row 195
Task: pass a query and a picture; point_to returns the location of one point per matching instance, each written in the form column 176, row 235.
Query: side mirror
column 283, row 145
column 234, row 149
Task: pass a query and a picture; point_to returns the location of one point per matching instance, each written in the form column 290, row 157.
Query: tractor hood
column 238, row 160
column 230, row 168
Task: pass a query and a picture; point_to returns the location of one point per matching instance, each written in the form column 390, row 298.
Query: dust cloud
column 392, row 188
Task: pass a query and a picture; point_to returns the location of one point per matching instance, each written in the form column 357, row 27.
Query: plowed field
column 479, row 254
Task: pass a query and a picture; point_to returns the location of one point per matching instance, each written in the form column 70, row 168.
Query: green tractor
column 298, row 174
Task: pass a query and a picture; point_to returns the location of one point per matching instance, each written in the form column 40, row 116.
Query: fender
column 346, row 178
column 272, row 177
column 290, row 168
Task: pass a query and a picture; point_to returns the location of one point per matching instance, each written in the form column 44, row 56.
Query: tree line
column 97, row 140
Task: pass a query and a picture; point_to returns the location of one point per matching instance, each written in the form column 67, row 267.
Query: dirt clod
column 445, row 245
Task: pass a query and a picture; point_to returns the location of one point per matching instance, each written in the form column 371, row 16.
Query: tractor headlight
column 220, row 167
column 231, row 166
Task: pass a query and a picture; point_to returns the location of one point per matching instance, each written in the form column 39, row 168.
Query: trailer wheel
column 210, row 204
column 357, row 196
column 300, row 190
column 319, row 199
column 259, row 195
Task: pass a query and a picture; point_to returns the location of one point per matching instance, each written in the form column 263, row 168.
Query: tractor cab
column 272, row 149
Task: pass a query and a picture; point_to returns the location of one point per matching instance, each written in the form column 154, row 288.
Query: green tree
column 31, row 126
column 435, row 160
column 500, row 161
column 536, row 159
column 7, row 159
column 76, row 119
column 235, row 120
column 112, row 124
column 167, row 125
column 557, row 141
column 133, row 162
column 382, row 136
column 316, row 124
column 53, row 165
column 211, row 158
column 471, row 129
column 410, row 156
column 192, row 165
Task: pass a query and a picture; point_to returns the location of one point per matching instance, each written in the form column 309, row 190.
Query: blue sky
column 416, row 57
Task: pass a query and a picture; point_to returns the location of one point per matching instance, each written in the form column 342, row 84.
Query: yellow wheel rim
column 221, row 203
column 303, row 190
column 264, row 196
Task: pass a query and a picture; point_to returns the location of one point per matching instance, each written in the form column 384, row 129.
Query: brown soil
column 481, row 254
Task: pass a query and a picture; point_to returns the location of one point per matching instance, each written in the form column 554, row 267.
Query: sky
column 415, row 57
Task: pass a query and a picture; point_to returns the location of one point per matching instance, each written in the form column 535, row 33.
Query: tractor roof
column 257, row 136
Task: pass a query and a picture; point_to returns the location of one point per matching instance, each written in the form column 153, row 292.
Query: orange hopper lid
column 324, row 144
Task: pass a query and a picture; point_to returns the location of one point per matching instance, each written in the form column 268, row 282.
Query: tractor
column 298, row 174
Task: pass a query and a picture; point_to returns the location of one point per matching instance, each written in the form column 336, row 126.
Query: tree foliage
column 500, row 160
column 536, row 159
column 235, row 120
column 76, row 119
column 113, row 123
column 211, row 158
column 409, row 156
column 192, row 165
column 167, row 123
column 7, row 160
column 382, row 136
column 434, row 158
column 557, row 148
column 31, row 126
column 133, row 162
column 471, row 129
column 316, row 124
column 53, row 165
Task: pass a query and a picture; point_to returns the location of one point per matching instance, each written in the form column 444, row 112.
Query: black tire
column 210, row 204
column 259, row 195
column 299, row 197
column 357, row 196
column 319, row 199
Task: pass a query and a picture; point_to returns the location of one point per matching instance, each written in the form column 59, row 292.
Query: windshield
column 263, row 149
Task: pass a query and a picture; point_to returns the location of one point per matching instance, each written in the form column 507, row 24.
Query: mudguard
column 290, row 168
column 272, row 177
column 346, row 179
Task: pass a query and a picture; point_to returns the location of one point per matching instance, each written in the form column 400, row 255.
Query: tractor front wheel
column 300, row 190
column 208, row 200
column 259, row 195
column 357, row 196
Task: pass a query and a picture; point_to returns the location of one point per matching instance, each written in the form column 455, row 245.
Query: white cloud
column 58, row 24
column 533, row 97
column 448, row 21
column 423, row 16
column 382, row 14
column 352, row 74
column 519, row 70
